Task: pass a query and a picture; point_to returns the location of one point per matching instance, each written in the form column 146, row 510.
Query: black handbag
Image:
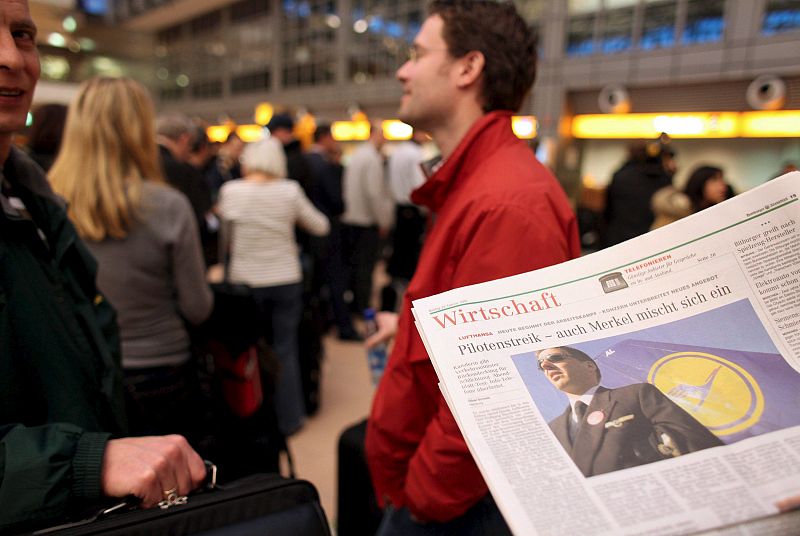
column 258, row 504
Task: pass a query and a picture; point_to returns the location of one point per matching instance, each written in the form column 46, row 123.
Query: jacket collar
column 43, row 207
column 24, row 174
column 487, row 134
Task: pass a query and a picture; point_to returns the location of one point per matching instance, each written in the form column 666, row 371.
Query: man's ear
column 470, row 68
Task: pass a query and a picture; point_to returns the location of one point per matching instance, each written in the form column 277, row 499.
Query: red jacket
column 498, row 212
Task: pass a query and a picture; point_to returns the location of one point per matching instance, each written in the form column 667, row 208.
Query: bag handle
column 131, row 502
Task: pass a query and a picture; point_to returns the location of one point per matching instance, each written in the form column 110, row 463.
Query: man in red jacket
column 498, row 212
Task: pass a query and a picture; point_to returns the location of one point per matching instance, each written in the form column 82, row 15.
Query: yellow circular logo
column 720, row 394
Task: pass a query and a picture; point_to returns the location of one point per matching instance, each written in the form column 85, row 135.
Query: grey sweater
column 155, row 278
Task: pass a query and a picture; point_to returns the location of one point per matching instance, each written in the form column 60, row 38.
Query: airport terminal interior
column 712, row 82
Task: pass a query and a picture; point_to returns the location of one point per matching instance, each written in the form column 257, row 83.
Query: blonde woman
column 145, row 238
column 260, row 212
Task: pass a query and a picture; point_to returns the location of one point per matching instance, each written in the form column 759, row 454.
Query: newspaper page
column 649, row 388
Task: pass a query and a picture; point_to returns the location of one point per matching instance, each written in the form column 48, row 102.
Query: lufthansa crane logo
column 720, row 394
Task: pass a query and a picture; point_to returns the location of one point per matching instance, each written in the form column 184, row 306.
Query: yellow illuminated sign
column 396, row 130
column 350, row 130
column 524, row 126
column 773, row 124
column 264, row 113
column 677, row 125
column 778, row 124
column 250, row 133
column 218, row 133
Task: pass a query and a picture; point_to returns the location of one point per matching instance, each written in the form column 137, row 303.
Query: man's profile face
column 567, row 374
column 427, row 86
column 19, row 65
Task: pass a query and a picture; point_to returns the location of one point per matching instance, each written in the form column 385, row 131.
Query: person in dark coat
column 326, row 173
column 312, row 325
column 628, row 213
column 281, row 126
column 62, row 425
column 175, row 136
column 605, row 430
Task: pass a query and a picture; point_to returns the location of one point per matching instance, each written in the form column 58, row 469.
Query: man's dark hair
column 506, row 41
column 321, row 131
column 576, row 354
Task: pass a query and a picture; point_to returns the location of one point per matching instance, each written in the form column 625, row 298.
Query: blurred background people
column 326, row 173
column 707, row 187
column 281, row 127
column 650, row 167
column 669, row 205
column 312, row 320
column 368, row 215
column 259, row 214
column 202, row 159
column 226, row 166
column 405, row 175
column 202, row 152
column 145, row 238
column 176, row 134
column 44, row 138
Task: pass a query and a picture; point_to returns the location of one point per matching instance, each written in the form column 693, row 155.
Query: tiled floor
column 346, row 397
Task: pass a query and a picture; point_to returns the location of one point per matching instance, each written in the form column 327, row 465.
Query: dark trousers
column 282, row 306
column 483, row 519
column 162, row 400
column 361, row 250
column 335, row 277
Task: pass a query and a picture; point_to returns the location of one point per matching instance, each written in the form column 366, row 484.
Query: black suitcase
column 358, row 513
column 259, row 504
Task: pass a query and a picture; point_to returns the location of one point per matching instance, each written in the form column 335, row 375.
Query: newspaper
column 694, row 423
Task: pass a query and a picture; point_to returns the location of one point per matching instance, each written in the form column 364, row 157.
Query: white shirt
column 367, row 199
column 262, row 216
column 405, row 173
column 586, row 398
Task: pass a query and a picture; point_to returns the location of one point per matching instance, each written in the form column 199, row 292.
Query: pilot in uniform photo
column 604, row 430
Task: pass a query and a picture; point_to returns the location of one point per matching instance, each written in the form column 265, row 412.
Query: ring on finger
column 171, row 498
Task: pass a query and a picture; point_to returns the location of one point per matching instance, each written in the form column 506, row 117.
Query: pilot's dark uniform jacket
column 630, row 426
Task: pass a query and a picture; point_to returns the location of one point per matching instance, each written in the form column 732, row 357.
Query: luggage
column 259, row 504
column 358, row 513
column 237, row 376
column 311, row 352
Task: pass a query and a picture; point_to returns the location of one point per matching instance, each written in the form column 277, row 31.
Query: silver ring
column 171, row 498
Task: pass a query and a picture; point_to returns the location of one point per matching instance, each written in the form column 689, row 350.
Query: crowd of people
column 106, row 260
column 642, row 196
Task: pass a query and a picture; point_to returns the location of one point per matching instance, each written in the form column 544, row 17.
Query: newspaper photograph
column 649, row 388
